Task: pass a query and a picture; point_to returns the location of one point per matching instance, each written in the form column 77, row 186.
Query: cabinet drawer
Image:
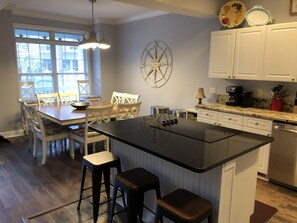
column 230, row 118
column 257, row 123
column 207, row 114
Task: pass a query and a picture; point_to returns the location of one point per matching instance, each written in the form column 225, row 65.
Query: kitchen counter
column 253, row 112
column 195, row 146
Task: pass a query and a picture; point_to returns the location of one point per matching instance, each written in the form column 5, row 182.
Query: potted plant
column 277, row 94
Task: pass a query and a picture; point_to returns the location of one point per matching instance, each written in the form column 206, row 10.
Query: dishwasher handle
column 282, row 128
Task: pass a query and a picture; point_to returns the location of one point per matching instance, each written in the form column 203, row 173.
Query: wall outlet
column 212, row 90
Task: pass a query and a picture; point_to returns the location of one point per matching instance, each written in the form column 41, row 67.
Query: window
column 52, row 60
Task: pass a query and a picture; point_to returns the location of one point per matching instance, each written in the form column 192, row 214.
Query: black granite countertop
column 196, row 146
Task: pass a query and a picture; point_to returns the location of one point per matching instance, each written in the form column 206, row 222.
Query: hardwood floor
column 28, row 188
column 284, row 200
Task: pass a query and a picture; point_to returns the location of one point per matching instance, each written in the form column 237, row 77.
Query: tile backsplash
column 263, row 103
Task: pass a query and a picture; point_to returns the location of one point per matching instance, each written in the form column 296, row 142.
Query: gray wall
column 9, row 111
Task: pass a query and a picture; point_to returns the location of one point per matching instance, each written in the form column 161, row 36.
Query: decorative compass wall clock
column 156, row 63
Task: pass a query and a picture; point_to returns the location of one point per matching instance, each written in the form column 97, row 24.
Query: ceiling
column 110, row 11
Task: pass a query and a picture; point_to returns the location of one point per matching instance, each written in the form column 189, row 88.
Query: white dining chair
column 27, row 95
column 27, row 90
column 47, row 99
column 130, row 98
column 46, row 133
column 117, row 97
column 86, row 135
column 128, row 110
column 84, row 91
column 66, row 98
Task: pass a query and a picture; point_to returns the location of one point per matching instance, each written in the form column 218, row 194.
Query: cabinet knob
column 230, row 118
column 268, row 134
column 229, row 76
column 256, row 123
column 293, row 79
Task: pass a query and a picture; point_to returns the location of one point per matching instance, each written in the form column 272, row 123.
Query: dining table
column 65, row 114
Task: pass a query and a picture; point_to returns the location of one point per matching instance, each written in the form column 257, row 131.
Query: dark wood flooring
column 28, row 188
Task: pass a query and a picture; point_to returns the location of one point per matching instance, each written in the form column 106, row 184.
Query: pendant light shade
column 103, row 44
column 92, row 42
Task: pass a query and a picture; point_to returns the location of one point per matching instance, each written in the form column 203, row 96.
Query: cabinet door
column 228, row 120
column 207, row 116
column 249, row 51
column 221, row 54
column 280, row 53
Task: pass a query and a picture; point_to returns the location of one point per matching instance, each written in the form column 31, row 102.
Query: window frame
column 52, row 42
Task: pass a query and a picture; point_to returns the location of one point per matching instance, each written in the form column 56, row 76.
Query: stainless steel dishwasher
column 283, row 155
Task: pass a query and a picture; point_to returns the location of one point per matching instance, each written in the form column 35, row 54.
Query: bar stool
column 135, row 183
column 98, row 163
column 182, row 206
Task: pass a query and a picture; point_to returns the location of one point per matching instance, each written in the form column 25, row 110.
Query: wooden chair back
column 117, row 97
column 128, row 110
column 67, row 98
column 27, row 90
column 130, row 98
column 47, row 99
column 84, row 88
column 96, row 115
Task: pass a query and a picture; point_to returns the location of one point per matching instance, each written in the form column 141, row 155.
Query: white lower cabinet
column 261, row 127
column 245, row 123
column 223, row 119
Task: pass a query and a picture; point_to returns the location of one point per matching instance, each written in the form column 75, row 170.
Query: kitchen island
column 217, row 163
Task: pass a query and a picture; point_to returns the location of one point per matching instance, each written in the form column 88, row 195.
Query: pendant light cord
column 93, row 13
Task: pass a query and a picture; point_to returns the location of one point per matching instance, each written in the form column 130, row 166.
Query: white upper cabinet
column 249, row 51
column 222, row 54
column 280, row 53
column 237, row 53
column 255, row 53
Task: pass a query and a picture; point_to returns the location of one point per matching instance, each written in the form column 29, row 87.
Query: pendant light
column 92, row 41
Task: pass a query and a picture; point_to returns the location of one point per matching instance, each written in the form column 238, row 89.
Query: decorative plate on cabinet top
column 232, row 14
column 258, row 16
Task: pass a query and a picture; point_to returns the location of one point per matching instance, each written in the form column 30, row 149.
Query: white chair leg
column 44, row 151
column 35, row 146
column 106, row 145
column 94, row 147
column 86, row 148
column 30, row 135
column 72, row 148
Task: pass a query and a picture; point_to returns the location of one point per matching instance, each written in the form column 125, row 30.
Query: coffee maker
column 234, row 95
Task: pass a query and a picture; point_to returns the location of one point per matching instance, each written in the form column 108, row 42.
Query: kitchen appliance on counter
column 234, row 95
column 246, row 99
column 283, row 155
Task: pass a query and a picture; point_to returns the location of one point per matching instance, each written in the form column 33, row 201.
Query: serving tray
column 258, row 16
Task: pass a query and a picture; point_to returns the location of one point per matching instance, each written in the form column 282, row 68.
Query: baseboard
column 12, row 134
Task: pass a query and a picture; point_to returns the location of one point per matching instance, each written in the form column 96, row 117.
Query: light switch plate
column 212, row 90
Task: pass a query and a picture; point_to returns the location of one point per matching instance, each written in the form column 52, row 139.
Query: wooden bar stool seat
column 98, row 163
column 135, row 183
column 182, row 206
